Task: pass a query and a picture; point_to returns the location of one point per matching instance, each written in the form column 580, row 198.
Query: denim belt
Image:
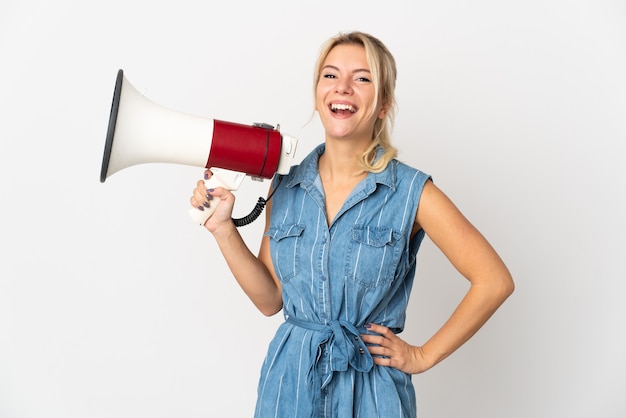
column 345, row 347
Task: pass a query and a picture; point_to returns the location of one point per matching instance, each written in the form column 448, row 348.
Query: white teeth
column 338, row 106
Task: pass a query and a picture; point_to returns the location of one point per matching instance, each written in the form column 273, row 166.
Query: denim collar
column 306, row 173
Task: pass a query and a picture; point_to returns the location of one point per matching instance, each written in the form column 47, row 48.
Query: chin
column 338, row 135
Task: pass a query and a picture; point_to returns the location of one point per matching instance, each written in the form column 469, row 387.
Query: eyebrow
column 358, row 70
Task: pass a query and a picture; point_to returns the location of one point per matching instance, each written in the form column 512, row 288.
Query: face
column 345, row 95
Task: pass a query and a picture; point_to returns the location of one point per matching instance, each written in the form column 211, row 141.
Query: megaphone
column 141, row 131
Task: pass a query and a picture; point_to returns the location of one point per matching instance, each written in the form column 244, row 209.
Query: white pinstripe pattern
column 359, row 268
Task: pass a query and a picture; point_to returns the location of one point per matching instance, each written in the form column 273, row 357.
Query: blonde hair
column 383, row 69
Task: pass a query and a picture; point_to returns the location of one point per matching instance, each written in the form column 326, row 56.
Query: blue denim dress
column 335, row 279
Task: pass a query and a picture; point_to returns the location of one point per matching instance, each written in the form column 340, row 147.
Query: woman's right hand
column 220, row 199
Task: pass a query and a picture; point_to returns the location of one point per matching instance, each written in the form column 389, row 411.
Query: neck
column 340, row 161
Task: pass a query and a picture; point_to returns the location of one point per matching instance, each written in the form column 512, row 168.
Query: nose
column 343, row 87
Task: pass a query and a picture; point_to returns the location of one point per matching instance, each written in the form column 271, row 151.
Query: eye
column 328, row 75
column 363, row 80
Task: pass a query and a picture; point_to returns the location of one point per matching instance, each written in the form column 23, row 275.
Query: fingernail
column 206, row 176
column 368, row 326
column 206, row 204
column 210, row 190
column 200, row 207
column 209, row 197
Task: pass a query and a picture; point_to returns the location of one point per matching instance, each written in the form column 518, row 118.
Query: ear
column 383, row 111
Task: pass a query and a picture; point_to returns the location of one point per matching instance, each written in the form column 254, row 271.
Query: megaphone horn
column 141, row 131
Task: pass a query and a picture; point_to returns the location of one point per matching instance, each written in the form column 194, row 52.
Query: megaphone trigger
column 230, row 180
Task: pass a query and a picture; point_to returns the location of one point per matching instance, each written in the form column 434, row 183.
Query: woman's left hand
column 394, row 350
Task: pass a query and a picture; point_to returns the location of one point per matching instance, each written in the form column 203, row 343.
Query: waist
column 343, row 348
column 325, row 327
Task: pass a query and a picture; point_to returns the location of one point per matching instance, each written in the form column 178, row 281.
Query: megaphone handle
column 230, row 180
column 201, row 216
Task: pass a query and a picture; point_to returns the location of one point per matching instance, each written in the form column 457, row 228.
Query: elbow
column 270, row 310
column 506, row 287
column 497, row 288
column 511, row 287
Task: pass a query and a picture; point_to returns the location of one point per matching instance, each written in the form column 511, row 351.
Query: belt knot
column 345, row 347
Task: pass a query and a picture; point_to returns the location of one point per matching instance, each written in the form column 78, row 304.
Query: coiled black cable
column 256, row 212
column 252, row 216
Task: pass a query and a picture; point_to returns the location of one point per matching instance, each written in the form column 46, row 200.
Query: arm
column 471, row 254
column 254, row 274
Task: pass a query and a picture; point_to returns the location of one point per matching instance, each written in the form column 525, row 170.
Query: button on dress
column 335, row 279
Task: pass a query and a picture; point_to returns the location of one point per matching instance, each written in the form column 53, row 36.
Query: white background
column 113, row 304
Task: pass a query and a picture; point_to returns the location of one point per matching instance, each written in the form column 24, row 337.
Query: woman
column 339, row 251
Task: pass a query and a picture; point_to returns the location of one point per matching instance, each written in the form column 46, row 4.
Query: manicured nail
column 209, row 197
column 206, row 176
column 210, row 190
column 206, row 204
column 200, row 207
column 368, row 326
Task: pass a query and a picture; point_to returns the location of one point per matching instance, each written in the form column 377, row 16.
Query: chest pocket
column 372, row 255
column 286, row 249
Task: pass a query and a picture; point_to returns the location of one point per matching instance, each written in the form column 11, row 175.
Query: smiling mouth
column 342, row 108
